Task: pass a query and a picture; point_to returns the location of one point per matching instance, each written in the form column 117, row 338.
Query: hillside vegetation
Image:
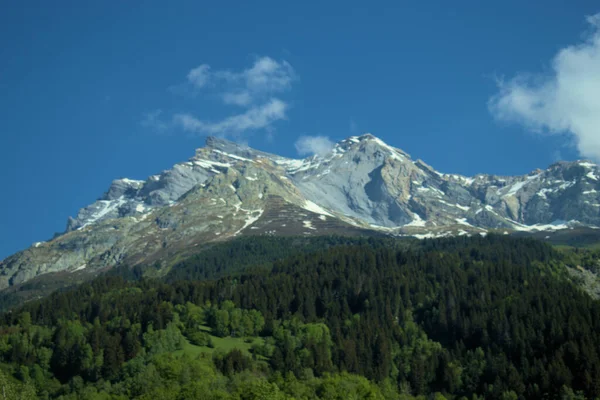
column 490, row 317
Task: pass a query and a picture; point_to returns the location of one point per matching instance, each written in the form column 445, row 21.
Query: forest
column 324, row 318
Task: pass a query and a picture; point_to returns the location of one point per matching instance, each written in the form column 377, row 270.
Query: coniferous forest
column 330, row 318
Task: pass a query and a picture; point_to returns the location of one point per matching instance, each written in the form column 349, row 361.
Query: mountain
column 362, row 186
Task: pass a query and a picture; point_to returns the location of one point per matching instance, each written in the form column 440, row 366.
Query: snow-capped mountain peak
column 363, row 184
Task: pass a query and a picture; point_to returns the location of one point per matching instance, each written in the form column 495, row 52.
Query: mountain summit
column 362, row 185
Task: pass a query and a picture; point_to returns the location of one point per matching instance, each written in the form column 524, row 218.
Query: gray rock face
column 228, row 189
column 354, row 180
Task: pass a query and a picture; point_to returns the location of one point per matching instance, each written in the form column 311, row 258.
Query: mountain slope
column 362, row 186
column 457, row 315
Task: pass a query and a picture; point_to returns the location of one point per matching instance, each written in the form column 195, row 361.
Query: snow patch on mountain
column 250, row 219
column 79, row 268
column 417, row 221
column 312, row 207
column 308, row 225
column 105, row 207
column 553, row 226
column 235, row 157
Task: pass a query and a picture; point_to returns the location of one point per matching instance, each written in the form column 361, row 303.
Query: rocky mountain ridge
column 362, row 185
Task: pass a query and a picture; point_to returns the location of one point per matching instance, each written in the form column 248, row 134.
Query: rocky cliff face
column 362, row 185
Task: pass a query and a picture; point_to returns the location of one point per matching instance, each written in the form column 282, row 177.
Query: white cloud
column 240, row 99
column 267, row 75
column 319, row 145
column 567, row 100
column 253, row 89
column 255, row 118
column 199, row 77
column 153, row 120
column 264, row 78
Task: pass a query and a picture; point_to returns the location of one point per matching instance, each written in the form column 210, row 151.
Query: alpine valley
column 361, row 187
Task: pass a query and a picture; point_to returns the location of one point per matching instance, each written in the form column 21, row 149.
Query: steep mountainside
column 362, row 186
column 457, row 318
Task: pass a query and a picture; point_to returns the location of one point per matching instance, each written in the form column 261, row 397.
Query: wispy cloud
column 319, row 145
column 258, row 117
column 264, row 78
column 564, row 101
column 199, row 76
column 153, row 120
column 254, row 89
column 242, row 98
column 353, row 127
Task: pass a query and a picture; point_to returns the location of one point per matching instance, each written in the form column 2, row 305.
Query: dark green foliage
column 257, row 252
column 200, row 338
column 233, row 362
column 489, row 317
column 230, row 321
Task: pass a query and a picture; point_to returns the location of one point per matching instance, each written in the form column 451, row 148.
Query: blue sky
column 93, row 91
